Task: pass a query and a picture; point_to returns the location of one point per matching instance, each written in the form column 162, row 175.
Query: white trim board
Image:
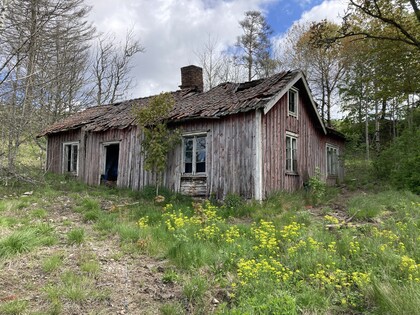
column 289, row 85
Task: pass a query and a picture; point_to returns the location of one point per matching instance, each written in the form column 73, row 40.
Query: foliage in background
column 400, row 162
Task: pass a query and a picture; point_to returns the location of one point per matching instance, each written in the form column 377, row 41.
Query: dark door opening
column 112, row 153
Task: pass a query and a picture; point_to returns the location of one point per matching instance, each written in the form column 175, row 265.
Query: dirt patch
column 124, row 283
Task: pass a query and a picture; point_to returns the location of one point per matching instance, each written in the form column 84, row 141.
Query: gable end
column 281, row 93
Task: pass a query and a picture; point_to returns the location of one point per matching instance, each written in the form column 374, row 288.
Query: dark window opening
column 112, row 153
column 293, row 100
column 71, row 158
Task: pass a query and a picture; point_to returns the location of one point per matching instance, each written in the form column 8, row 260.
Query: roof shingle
column 225, row 99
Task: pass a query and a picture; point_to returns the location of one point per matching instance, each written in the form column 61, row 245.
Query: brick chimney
column 192, row 78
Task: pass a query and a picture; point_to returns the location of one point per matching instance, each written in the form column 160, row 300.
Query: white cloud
column 332, row 10
column 170, row 30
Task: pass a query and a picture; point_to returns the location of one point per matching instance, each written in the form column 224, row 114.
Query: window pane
column 291, row 154
column 188, row 168
column 332, row 161
column 74, row 161
column 292, row 101
column 195, row 154
column 68, row 158
column 201, row 143
column 188, row 157
column 200, row 156
column 200, row 167
column 188, row 154
column 188, row 144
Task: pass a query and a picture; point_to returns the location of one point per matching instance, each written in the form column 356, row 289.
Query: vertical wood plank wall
column 311, row 146
column 231, row 158
column 55, row 149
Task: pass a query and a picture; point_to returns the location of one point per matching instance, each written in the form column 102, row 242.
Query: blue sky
column 281, row 14
column 172, row 31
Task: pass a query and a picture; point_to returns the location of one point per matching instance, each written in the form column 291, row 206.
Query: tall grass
column 17, row 243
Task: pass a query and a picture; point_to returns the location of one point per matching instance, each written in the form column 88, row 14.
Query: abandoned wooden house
column 251, row 139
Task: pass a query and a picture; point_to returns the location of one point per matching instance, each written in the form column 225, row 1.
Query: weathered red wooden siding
column 55, row 149
column 230, row 155
column 311, row 146
column 232, row 145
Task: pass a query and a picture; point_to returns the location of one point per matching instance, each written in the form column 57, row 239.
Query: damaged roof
column 224, row 99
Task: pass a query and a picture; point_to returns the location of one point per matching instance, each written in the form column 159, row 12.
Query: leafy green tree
column 390, row 20
column 158, row 140
column 400, row 162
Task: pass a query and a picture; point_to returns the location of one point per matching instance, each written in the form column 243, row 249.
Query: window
column 291, row 153
column 70, row 157
column 292, row 109
column 195, row 154
column 332, row 160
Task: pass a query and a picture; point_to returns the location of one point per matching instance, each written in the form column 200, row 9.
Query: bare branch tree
column 111, row 68
column 42, row 62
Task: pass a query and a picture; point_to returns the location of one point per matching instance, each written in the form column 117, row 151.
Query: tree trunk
column 367, row 132
column 377, row 128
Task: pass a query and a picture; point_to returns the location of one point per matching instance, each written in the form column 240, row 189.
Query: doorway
column 112, row 152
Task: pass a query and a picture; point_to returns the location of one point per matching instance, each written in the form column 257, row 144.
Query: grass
column 52, row 263
column 76, row 236
column 73, row 287
column 258, row 258
column 16, row 307
column 17, row 243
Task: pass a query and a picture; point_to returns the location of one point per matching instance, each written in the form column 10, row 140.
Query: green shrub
column 170, row 276
column 317, row 188
column 398, row 163
column 88, row 204
column 39, row 213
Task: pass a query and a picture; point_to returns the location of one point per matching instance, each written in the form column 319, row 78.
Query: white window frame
column 194, row 136
column 296, row 102
column 289, row 154
column 331, row 164
column 65, row 159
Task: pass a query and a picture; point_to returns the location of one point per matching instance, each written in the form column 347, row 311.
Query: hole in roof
column 248, row 85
